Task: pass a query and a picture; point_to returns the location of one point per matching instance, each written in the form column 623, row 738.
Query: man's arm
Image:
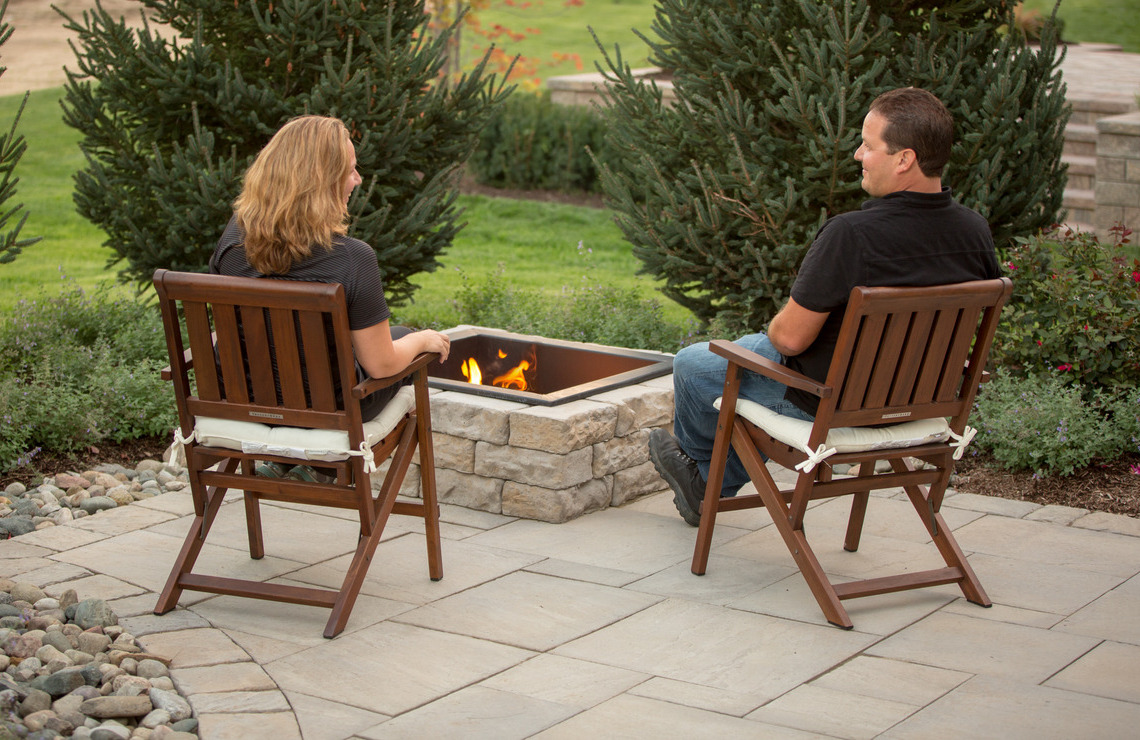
column 794, row 328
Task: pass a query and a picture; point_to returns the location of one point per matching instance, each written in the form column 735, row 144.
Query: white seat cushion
column 306, row 444
column 795, row 432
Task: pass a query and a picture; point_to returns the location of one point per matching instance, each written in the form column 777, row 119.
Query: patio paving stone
column 239, row 702
column 992, row 706
column 529, row 610
column 573, row 683
column 1114, row 616
column 580, row 572
column 473, row 713
column 894, row 680
column 833, row 712
column 320, row 719
column 391, row 668
column 635, row 716
column 717, row 647
column 1018, row 583
column 1116, row 523
column 984, row 646
column 208, row 679
column 1111, row 670
column 195, row 647
column 1038, row 542
column 278, row 725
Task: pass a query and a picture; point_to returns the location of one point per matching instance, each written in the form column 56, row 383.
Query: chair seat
column 796, row 432
column 309, row 444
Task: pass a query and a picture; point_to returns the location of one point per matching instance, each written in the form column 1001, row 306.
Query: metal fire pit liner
column 598, row 368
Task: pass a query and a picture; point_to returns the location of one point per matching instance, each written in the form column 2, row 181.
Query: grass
column 1096, row 21
column 558, row 27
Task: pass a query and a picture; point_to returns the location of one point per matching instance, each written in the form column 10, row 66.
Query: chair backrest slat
column 903, row 353
column 202, row 341
column 317, row 362
column 257, row 351
column 289, row 373
column 229, row 347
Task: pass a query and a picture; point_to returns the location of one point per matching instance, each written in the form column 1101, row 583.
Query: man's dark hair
column 917, row 120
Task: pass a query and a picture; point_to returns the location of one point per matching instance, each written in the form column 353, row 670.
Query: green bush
column 1045, row 423
column 1075, row 309
column 532, row 143
column 77, row 370
column 590, row 313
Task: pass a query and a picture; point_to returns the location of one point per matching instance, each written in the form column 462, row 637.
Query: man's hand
column 794, row 328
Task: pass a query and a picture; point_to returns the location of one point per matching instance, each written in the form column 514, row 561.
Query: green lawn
column 1101, row 21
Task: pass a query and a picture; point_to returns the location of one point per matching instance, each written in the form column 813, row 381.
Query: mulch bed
column 1109, row 487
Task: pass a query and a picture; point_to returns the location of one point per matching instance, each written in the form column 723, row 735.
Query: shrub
column 592, row 312
column 533, row 143
column 722, row 193
column 172, row 114
column 12, row 148
column 79, row 369
column 1075, row 309
column 1044, row 423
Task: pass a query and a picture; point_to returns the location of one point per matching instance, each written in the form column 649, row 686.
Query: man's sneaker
column 680, row 472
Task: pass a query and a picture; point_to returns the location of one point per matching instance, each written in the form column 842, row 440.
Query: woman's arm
column 381, row 357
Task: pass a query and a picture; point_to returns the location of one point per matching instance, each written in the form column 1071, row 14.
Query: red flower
column 1065, row 367
column 1136, row 276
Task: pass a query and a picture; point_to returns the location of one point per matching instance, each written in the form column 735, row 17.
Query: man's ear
column 906, row 160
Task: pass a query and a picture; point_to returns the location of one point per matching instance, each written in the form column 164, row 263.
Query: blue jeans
column 698, row 380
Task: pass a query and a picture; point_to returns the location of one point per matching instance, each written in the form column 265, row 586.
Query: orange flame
column 515, row 378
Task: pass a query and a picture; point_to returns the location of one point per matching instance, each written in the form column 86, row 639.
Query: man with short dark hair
column 912, row 232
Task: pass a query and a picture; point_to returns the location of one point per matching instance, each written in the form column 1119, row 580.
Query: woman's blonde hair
column 292, row 196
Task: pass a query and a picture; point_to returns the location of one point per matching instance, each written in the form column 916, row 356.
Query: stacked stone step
column 1080, row 154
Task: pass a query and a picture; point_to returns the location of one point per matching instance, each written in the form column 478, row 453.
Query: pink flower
column 1065, row 367
column 1038, row 342
column 1135, row 469
column 1136, row 276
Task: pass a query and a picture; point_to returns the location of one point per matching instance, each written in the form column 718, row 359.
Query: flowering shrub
column 79, row 369
column 1044, row 424
column 1075, row 309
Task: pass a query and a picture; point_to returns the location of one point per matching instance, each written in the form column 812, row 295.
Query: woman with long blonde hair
column 290, row 222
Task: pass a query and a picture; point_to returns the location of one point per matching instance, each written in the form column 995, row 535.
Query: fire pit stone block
column 556, row 506
column 472, row 417
column 563, row 429
column 534, row 467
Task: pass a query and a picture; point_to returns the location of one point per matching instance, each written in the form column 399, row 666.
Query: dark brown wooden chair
column 907, row 360
column 277, row 352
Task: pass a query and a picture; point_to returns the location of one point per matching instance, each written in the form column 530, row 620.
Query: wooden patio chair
column 907, row 359
column 277, row 352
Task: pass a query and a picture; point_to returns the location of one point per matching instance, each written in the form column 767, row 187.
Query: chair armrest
column 749, row 360
column 367, row 387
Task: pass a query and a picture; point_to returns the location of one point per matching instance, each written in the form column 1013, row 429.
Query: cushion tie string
column 178, row 448
column 961, row 441
column 369, row 459
column 815, row 458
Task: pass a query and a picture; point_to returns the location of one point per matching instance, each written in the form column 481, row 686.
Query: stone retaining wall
column 1118, row 172
column 550, row 463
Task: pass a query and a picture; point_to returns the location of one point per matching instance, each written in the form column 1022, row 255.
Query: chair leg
column 921, row 498
column 782, row 516
column 427, row 477
column 858, row 511
column 211, row 500
column 253, row 517
column 365, row 549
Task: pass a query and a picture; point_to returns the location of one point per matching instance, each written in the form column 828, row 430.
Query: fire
column 514, row 378
column 471, row 371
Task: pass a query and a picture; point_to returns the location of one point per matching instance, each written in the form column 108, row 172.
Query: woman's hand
column 433, row 341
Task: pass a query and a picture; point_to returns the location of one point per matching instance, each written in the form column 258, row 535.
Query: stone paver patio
column 596, row 627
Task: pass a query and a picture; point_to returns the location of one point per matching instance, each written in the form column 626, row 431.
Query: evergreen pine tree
column 722, row 193
column 12, row 148
column 173, row 114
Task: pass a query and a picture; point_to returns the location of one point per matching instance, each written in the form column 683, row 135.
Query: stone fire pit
column 550, row 463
